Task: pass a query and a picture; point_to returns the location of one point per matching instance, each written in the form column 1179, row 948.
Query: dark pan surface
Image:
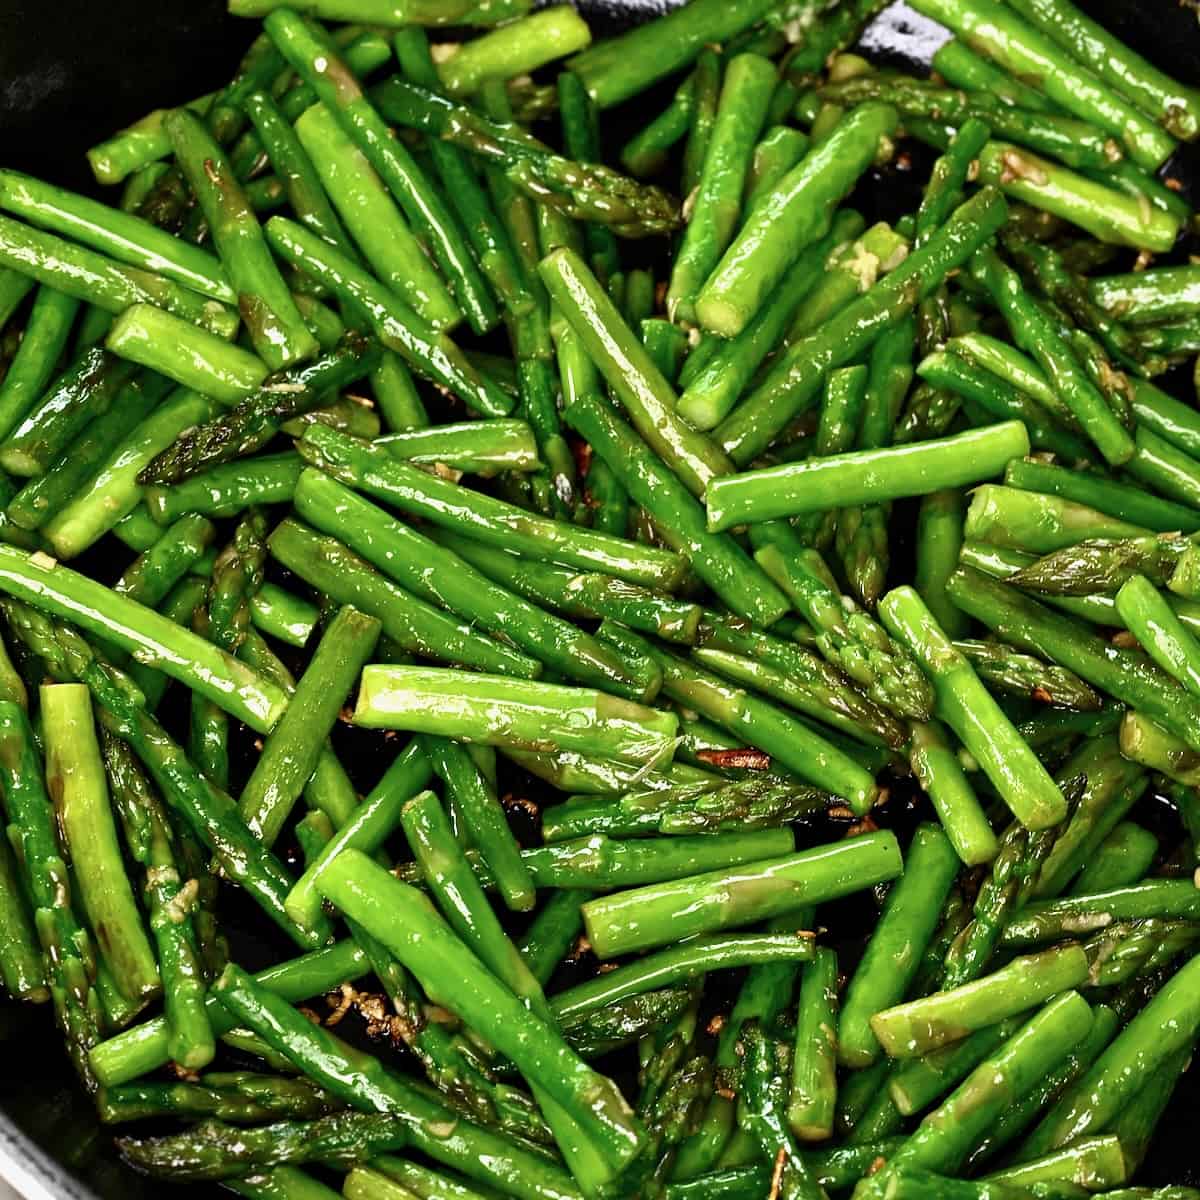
column 71, row 72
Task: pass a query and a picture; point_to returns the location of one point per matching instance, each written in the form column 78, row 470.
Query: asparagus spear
column 75, row 777
column 660, row 913
column 66, row 945
column 372, row 469
column 864, row 476
column 894, row 952
column 848, row 638
column 792, row 383
column 1165, row 1025
column 584, row 191
column 1027, row 53
column 796, row 214
column 1058, row 638
column 440, row 576
column 720, row 562
column 803, row 751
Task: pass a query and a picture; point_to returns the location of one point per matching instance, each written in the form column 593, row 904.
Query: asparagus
column 795, row 215
column 865, row 476
column 440, row 576
column 507, row 712
column 912, row 1029
column 252, row 423
column 483, row 819
column 75, row 777
column 764, row 1114
column 792, row 383
column 1166, row 1025
column 1123, row 858
column 1024, row 675
column 272, row 319
column 1058, row 638
column 1045, row 919
column 396, row 326
column 411, row 623
column 968, row 708
column 720, row 562
column 190, row 1037
column 113, row 492
column 1028, row 54
column 290, row 754
column 894, row 952
column 584, row 191
column 91, row 385
column 948, row 1134
column 283, row 615
column 1103, row 565
column 181, row 654
column 67, row 947
column 1113, row 785
column 373, row 220
column 629, row 372
column 848, row 638
column 992, row 396
column 713, row 383
column 745, row 94
column 1034, row 332
column 101, row 281
column 618, row 68
column 584, row 594
column 801, row 750
column 42, row 342
column 358, row 886
column 22, row 969
column 1148, row 297
column 234, row 1096
column 1173, row 106
column 185, row 353
column 657, row 914
column 482, row 518
column 1106, row 213
column 145, row 1047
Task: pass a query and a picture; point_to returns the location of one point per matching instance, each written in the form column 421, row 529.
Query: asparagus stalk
column 211, row 672
column 100, row 281
column 373, row 470
column 290, row 754
column 373, row 220
column 440, row 576
column 409, row 622
column 803, row 751
column 1029, row 677
column 792, row 383
column 1058, row 638
column 66, row 945
column 657, row 914
column 506, row 712
column 894, row 953
column 75, row 777
column 912, row 1029
column 359, row 887
column 865, row 476
column 797, row 213
column 168, row 896
column 250, row 424
column 947, row 1135
column 720, row 562
column 1029, row 54
column 1160, row 1030
column 966, row 706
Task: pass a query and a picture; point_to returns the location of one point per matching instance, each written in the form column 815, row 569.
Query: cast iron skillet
column 72, row 71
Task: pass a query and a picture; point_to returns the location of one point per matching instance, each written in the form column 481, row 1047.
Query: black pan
column 71, row 72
